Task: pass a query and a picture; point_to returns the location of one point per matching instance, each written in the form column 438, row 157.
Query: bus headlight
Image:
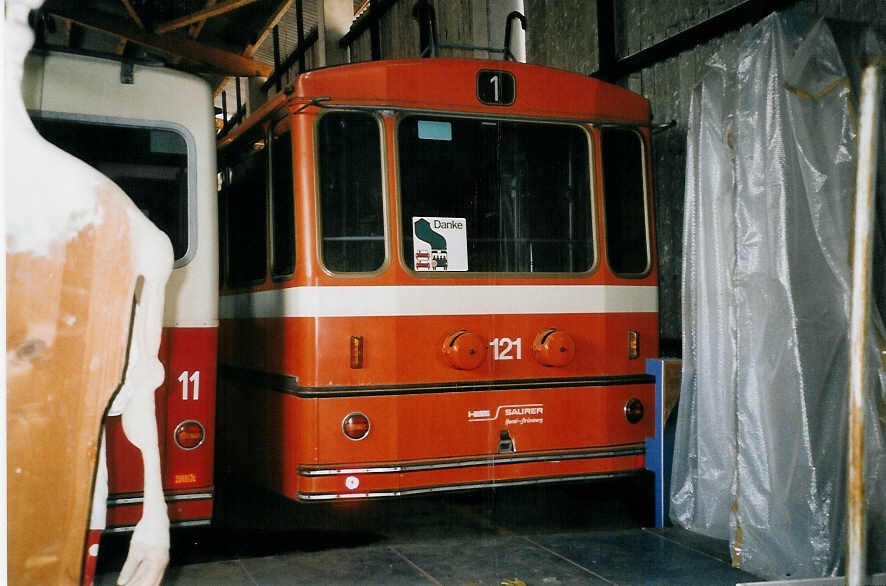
column 464, row 350
column 553, row 347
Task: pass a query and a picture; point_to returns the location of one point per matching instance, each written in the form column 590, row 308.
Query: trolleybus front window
column 149, row 164
column 350, row 186
column 624, row 201
column 514, row 195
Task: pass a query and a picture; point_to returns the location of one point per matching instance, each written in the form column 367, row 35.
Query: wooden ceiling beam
column 68, row 26
column 205, row 13
column 121, row 46
column 221, row 60
column 196, row 28
column 273, row 20
column 133, row 14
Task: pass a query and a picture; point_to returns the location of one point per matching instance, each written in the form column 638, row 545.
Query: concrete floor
column 571, row 534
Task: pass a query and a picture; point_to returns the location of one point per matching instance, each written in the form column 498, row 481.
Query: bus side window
column 351, row 209
column 282, row 211
column 247, row 210
column 624, row 200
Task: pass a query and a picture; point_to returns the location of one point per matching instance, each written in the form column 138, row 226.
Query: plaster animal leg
column 99, row 512
column 149, row 547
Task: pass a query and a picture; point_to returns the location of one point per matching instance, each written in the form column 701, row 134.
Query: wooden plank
column 121, row 46
column 224, row 61
column 196, row 28
column 133, row 14
column 205, row 13
column 68, row 26
column 272, row 21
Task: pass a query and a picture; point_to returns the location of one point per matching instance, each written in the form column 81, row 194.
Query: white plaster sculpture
column 85, row 280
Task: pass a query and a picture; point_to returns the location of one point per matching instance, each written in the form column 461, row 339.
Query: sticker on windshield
column 430, row 130
column 440, row 244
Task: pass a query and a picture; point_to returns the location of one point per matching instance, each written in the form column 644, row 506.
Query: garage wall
column 459, row 22
column 562, row 33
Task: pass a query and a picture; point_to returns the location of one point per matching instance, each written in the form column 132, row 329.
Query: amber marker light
column 356, row 351
column 355, row 426
column 633, row 410
column 633, row 344
column 189, row 434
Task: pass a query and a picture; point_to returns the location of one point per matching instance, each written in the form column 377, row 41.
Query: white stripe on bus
column 410, row 300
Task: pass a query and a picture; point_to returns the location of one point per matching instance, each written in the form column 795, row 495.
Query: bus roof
column 451, row 85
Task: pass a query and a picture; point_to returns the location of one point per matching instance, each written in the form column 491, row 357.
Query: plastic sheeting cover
column 760, row 452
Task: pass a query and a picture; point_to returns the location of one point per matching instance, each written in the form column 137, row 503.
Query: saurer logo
column 523, row 411
column 514, row 414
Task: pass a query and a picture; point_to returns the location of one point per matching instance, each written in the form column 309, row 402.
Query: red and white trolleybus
column 150, row 129
column 438, row 275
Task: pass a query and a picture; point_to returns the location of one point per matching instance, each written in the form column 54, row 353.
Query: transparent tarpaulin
column 759, row 457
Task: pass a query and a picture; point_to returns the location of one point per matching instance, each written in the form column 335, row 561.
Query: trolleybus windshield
column 504, row 196
column 624, row 201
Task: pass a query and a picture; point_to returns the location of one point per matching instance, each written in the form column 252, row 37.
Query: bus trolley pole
column 865, row 190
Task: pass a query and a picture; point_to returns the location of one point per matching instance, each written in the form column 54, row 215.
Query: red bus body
column 299, row 354
column 187, row 474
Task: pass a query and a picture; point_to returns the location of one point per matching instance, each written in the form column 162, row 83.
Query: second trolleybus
column 150, row 130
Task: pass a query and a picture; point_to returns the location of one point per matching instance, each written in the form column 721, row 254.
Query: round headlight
column 464, row 350
column 553, row 347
